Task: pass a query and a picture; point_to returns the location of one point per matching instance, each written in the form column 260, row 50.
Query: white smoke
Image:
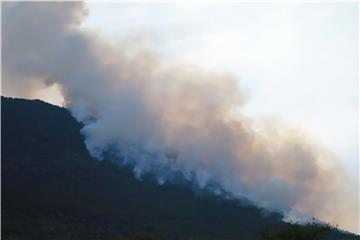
column 167, row 119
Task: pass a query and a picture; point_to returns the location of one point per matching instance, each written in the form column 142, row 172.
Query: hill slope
column 53, row 189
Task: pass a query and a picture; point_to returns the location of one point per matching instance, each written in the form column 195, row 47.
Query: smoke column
column 164, row 118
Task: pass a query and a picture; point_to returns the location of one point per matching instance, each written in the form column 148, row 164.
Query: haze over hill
column 47, row 173
column 169, row 120
column 53, row 189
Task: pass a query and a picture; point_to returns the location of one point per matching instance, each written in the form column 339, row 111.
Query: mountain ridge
column 49, row 179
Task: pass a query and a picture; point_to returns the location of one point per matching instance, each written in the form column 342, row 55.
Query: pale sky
column 297, row 62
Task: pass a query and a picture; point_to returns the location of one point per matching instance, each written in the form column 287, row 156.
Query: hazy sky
column 297, row 62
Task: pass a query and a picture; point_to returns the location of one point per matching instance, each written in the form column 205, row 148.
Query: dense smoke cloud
column 168, row 119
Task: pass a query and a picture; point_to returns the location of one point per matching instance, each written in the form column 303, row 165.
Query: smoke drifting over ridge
column 167, row 119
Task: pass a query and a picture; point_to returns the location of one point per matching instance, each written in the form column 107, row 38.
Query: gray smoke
column 164, row 119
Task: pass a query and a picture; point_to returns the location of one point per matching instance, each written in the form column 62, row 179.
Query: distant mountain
column 53, row 189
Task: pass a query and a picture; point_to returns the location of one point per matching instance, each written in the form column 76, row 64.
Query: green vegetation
column 312, row 231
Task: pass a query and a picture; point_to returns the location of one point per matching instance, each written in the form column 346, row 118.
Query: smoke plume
column 166, row 119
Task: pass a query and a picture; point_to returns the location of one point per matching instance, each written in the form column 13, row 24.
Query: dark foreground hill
column 53, row 189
